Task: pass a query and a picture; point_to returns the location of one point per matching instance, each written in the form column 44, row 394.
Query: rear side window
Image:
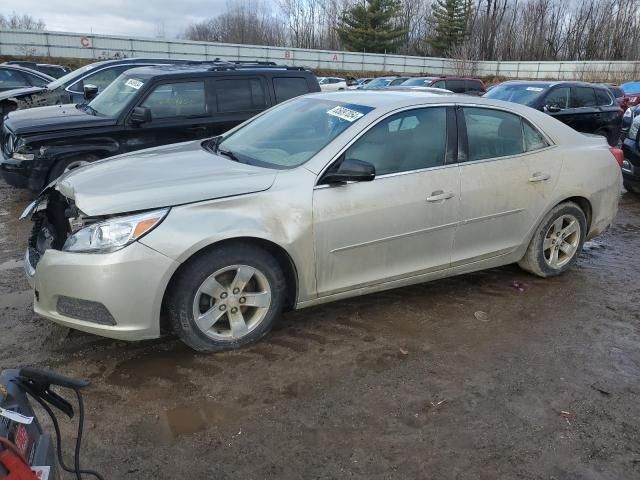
column 37, row 81
column 558, row 97
column 583, row 97
column 289, row 87
column 492, row 133
column 474, row 86
column 177, row 100
column 533, row 139
column 456, row 86
column 603, row 97
column 240, row 95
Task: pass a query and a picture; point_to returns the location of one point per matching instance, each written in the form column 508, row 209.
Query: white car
column 332, row 84
column 323, row 197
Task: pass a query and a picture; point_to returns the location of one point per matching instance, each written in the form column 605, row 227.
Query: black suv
column 631, row 163
column 144, row 107
column 75, row 86
column 585, row 107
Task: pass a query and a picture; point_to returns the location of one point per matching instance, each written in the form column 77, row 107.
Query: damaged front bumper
column 117, row 295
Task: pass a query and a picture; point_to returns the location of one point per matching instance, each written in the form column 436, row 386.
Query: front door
column 402, row 223
column 179, row 112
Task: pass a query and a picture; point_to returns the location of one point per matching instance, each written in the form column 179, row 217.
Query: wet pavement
column 410, row 383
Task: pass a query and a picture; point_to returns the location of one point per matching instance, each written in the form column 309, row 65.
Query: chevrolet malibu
column 321, row 198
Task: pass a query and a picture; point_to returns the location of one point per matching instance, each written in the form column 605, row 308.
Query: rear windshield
column 520, row 93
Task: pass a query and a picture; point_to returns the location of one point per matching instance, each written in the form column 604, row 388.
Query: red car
column 631, row 94
column 469, row 86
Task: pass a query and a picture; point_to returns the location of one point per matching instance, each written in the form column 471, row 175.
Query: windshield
column 631, row 87
column 117, row 95
column 290, row 134
column 379, row 82
column 72, row 75
column 517, row 93
column 417, row 82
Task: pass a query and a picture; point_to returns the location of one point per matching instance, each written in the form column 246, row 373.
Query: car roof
column 20, row 68
column 208, row 68
column 552, row 83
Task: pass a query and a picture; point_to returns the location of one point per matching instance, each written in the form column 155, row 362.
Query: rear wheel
column 226, row 298
column 557, row 241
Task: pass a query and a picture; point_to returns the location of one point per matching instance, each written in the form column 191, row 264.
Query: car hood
column 19, row 92
column 160, row 177
column 53, row 118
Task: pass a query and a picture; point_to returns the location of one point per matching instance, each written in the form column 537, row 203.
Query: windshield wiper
column 85, row 107
column 228, row 154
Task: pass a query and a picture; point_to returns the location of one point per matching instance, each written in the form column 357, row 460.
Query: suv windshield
column 517, row 93
column 117, row 95
column 290, row 134
column 72, row 75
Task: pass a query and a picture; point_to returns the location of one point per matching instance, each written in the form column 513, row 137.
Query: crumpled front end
column 117, row 294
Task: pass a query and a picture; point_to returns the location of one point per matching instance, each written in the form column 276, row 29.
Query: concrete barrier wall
column 79, row 45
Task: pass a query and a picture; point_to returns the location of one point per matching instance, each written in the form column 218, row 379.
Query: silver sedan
column 323, row 197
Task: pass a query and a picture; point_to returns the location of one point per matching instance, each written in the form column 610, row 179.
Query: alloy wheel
column 561, row 241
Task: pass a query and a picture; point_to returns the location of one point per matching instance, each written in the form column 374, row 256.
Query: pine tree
column 450, row 24
column 371, row 27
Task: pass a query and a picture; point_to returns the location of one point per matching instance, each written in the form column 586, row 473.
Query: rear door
column 238, row 98
column 495, row 193
column 586, row 112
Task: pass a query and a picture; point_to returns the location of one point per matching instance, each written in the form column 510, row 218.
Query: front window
column 181, row 99
column 517, row 93
column 290, row 134
column 113, row 100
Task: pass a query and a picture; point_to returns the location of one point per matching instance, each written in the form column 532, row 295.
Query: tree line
column 468, row 29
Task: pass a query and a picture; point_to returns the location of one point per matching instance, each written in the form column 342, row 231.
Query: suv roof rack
column 270, row 65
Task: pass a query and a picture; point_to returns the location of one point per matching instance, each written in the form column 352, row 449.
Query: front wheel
column 226, row 298
column 557, row 241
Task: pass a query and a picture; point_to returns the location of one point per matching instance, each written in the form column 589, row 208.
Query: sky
column 140, row 18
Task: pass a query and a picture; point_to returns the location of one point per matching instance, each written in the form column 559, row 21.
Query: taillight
column 617, row 154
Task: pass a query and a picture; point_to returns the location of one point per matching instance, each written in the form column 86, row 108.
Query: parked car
column 331, row 84
column 631, row 164
column 631, row 93
column 627, row 119
column 360, row 82
column 74, row 87
column 145, row 107
column 586, row 107
column 325, row 197
column 55, row 71
column 15, row 76
column 378, row 83
column 468, row 86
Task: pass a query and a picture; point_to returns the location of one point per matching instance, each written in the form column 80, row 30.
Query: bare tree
column 21, row 22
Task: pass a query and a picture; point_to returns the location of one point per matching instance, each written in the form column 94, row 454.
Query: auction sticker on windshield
column 535, row 89
column 133, row 83
column 345, row 113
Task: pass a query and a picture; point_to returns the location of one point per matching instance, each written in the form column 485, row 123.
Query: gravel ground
column 403, row 384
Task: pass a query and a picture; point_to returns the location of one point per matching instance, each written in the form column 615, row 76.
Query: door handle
column 439, row 195
column 539, row 177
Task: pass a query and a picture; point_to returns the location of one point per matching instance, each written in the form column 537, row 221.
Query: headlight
column 633, row 131
column 23, row 156
column 113, row 234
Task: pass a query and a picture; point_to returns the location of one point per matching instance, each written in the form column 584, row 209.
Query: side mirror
column 552, row 108
column 90, row 91
column 351, row 170
column 140, row 115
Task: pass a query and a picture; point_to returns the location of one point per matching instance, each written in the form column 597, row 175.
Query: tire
column 216, row 271
column 539, row 260
column 61, row 165
column 627, row 186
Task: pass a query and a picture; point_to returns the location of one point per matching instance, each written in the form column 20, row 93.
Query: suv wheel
column 226, row 298
column 557, row 241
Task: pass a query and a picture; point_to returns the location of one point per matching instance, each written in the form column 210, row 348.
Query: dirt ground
column 404, row 384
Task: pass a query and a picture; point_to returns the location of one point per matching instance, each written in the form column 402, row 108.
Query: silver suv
column 323, row 197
